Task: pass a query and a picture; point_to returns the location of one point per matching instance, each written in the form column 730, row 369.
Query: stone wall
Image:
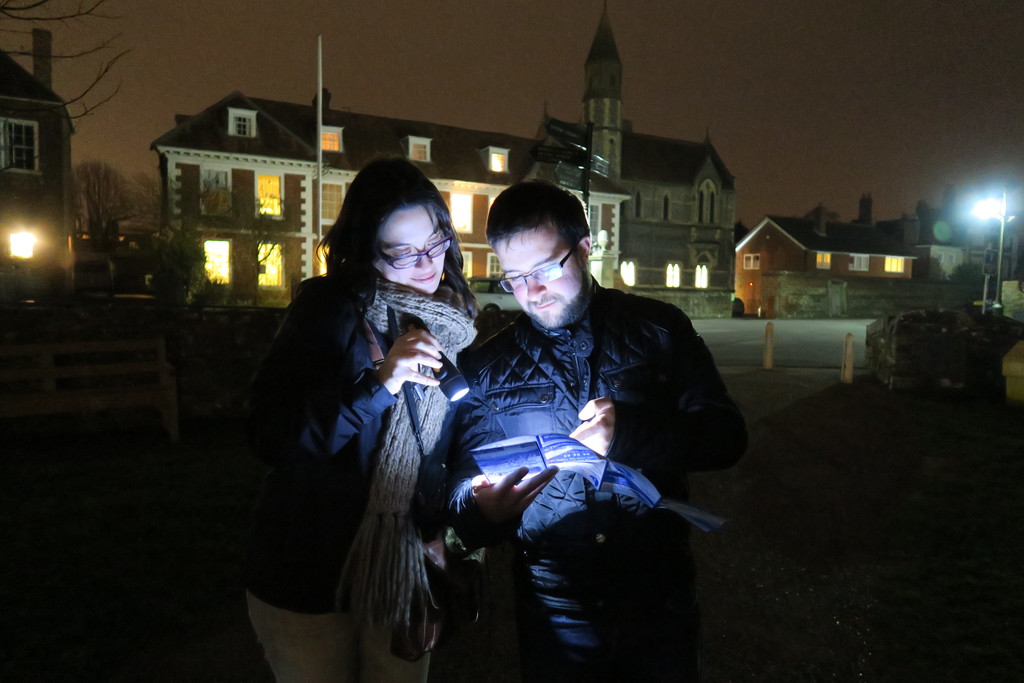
column 805, row 295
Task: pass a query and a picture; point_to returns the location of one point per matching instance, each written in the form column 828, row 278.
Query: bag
column 454, row 596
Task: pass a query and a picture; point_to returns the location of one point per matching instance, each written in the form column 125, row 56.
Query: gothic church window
column 706, row 202
column 664, row 208
column 639, row 206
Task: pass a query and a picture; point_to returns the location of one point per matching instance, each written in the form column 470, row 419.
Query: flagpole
column 318, row 208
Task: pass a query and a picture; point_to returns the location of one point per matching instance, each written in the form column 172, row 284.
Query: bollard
column 769, row 337
column 846, row 372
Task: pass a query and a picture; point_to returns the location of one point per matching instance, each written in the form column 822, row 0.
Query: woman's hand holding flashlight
column 402, row 363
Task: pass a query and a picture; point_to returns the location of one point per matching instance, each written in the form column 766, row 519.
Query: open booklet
column 537, row 453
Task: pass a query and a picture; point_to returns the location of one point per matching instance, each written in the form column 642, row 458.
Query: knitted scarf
column 385, row 566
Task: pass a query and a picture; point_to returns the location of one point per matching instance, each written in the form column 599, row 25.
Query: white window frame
column 276, row 252
column 326, row 131
column 673, row 275
column 752, row 262
column 462, row 211
column 216, row 276
column 700, row 276
column 207, row 184
column 500, row 154
column 246, row 117
column 627, row 271
column 494, row 268
column 328, row 214
column 467, row 263
column 412, row 142
column 860, row 263
column 261, row 210
column 7, row 155
column 895, row 264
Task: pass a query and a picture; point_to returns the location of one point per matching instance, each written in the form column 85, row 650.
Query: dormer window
column 330, row 139
column 497, row 159
column 417, row 148
column 241, row 123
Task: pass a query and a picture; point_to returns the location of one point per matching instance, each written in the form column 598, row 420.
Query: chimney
column 42, row 56
column 818, row 215
column 864, row 212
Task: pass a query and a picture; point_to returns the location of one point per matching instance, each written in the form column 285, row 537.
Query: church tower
column 602, row 97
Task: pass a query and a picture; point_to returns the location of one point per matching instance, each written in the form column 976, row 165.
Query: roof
column 603, row 47
column 287, row 130
column 662, row 160
column 849, row 238
column 17, row 82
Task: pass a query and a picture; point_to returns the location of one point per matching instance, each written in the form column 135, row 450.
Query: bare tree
column 44, row 12
column 103, row 198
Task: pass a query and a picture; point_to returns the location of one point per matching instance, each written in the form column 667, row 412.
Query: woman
column 335, row 554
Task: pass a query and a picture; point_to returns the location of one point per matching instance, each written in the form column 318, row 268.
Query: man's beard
column 572, row 310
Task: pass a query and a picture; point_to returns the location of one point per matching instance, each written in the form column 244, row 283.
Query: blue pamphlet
column 537, row 453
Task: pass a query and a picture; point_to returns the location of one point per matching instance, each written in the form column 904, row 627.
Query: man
column 604, row 585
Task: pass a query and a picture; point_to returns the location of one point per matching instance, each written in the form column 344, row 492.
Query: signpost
column 578, row 152
column 567, row 133
column 552, row 155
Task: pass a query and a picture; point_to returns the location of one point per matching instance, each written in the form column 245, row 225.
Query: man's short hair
column 533, row 204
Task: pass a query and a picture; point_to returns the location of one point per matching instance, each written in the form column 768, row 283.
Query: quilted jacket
column 673, row 415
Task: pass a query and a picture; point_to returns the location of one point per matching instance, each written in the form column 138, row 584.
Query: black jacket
column 672, row 416
column 315, row 416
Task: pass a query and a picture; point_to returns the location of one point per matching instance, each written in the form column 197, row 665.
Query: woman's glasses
column 412, row 260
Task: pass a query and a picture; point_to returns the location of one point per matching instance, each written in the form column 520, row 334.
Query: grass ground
column 872, row 537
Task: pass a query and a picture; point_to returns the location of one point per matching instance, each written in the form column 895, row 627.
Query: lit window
column 823, row 260
column 859, row 262
column 894, row 264
column 494, row 266
column 751, row 262
column 23, row 244
column 418, row 148
column 330, row 139
column 467, row 263
column 497, row 159
column 218, row 260
column 627, row 269
column 462, row 212
column 18, row 145
column 673, row 275
column 271, row 266
column 331, row 205
column 241, row 123
column 215, row 194
column 700, row 277
column 268, row 194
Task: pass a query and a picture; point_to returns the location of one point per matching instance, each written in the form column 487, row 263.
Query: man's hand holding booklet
column 539, row 453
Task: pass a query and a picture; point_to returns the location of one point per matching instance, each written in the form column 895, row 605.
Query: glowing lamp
column 23, row 244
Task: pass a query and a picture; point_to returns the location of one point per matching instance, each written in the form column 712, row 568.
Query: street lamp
column 995, row 208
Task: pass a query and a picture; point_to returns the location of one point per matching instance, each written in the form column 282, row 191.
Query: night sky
column 807, row 101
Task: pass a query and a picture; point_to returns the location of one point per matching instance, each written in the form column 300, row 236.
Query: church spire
column 602, row 94
column 603, row 67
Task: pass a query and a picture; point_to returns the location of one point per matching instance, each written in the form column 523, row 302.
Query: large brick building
column 244, row 172
column 35, row 179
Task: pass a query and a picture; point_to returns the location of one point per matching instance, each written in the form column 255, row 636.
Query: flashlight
column 452, row 383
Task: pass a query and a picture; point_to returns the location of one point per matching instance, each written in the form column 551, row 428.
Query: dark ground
column 872, row 536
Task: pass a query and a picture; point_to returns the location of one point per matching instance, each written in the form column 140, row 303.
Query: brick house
column 245, row 167
column 36, row 203
column 831, row 251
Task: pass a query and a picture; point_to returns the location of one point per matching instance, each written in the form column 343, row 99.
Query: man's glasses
column 411, row 260
column 510, row 283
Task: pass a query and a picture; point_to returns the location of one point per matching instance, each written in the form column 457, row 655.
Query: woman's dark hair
column 352, row 244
